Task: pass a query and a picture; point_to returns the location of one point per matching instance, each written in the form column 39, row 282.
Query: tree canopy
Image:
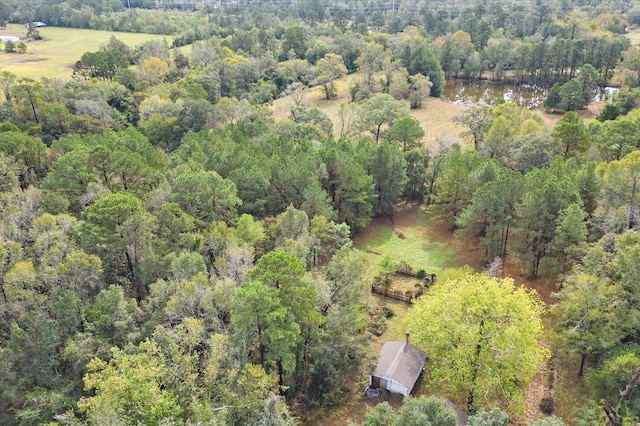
column 481, row 335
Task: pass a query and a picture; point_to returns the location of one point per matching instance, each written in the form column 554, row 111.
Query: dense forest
column 172, row 254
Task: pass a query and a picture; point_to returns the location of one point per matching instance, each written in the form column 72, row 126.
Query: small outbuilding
column 398, row 369
column 36, row 24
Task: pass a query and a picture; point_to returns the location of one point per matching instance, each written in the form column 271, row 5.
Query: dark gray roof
column 463, row 418
column 400, row 361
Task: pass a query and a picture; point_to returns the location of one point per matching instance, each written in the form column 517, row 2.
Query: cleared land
column 434, row 115
column 431, row 246
column 427, row 245
column 55, row 56
column 633, row 34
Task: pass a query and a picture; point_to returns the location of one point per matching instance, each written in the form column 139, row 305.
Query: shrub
column 546, row 406
column 383, row 280
column 404, row 268
column 387, row 312
column 378, row 326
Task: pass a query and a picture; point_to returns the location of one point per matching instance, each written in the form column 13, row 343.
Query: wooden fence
column 407, row 296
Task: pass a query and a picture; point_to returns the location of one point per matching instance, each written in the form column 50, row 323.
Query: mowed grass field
column 55, row 56
column 427, row 244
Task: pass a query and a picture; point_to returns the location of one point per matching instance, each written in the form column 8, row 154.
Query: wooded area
column 170, row 253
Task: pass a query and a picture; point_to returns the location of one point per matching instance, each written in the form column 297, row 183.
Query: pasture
column 55, row 55
column 434, row 115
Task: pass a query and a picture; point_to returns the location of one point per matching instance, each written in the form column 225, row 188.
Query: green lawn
column 424, row 247
column 55, row 56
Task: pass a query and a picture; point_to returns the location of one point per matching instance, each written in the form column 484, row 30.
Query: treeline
column 205, row 267
column 128, row 271
column 541, row 44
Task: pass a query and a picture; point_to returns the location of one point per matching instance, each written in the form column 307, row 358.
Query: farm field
column 55, row 56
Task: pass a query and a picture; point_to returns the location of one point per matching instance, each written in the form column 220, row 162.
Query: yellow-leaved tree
column 481, row 335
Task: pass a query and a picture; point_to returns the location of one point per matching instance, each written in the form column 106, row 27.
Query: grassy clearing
column 55, row 56
column 434, row 115
column 426, row 245
column 633, row 35
column 395, row 325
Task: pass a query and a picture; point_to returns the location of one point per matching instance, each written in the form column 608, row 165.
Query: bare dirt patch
column 27, row 60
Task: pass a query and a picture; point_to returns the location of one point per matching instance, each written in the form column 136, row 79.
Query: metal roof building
column 398, row 369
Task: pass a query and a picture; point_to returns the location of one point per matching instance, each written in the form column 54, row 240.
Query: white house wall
column 396, row 387
column 393, row 386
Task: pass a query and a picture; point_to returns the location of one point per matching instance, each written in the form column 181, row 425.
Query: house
column 398, row 369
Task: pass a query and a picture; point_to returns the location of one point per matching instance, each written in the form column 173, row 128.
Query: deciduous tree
column 481, row 335
column 477, row 118
column 378, row 111
column 330, row 68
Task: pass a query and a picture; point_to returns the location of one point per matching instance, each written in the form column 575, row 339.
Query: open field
column 434, row 115
column 55, row 56
column 426, row 245
column 633, row 34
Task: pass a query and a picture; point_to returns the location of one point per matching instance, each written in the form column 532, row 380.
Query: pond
column 527, row 95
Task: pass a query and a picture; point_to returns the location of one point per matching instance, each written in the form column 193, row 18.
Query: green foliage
column 618, row 202
column 330, row 68
column 492, row 209
column 567, row 97
column 595, row 312
column 414, row 411
column 612, row 375
column 544, row 197
column 481, row 335
column 162, row 249
column 453, row 190
column 571, row 132
column 549, row 421
column 103, row 64
column 418, row 57
column 617, row 138
column 494, row 417
column 128, row 389
column 406, row 132
column 379, row 111
column 206, row 196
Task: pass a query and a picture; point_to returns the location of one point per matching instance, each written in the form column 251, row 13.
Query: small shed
column 36, row 24
column 398, row 369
